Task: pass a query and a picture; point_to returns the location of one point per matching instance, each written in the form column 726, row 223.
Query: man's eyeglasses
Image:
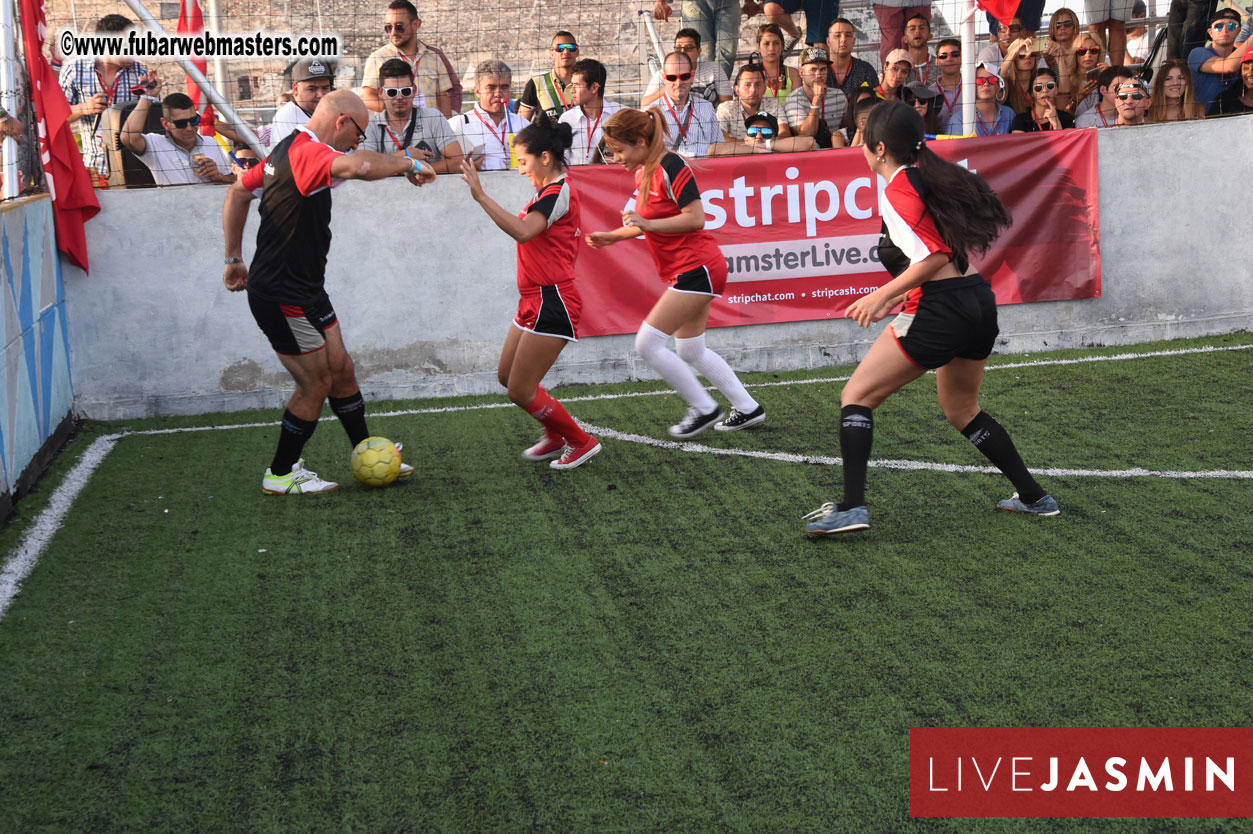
column 1090, row 50
column 1229, row 25
column 758, row 130
column 565, row 47
column 683, row 76
column 1047, row 85
column 194, row 121
column 1132, row 96
column 985, row 81
column 1012, row 29
column 388, row 27
column 403, row 92
column 940, row 56
column 360, row 132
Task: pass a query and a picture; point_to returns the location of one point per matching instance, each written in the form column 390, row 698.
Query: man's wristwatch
column 230, row 261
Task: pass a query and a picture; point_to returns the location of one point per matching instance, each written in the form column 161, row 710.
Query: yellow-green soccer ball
column 376, row 461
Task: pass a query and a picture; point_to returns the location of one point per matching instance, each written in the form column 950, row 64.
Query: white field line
column 20, row 563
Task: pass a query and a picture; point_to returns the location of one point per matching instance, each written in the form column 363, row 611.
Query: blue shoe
column 1045, row 506
column 835, row 520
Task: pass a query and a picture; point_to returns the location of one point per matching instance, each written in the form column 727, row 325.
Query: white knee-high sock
column 651, row 345
column 715, row 369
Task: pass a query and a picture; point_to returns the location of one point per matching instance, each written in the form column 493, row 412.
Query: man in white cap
column 312, row 78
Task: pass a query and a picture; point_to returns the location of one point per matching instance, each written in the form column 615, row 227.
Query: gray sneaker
column 831, row 519
column 1045, row 506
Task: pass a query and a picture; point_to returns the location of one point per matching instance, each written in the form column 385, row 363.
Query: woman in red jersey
column 547, row 232
column 933, row 212
column 669, row 214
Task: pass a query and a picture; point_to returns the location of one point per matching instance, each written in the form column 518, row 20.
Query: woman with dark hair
column 669, row 214
column 547, row 232
column 934, row 214
column 927, row 101
column 1043, row 114
column 781, row 79
column 1016, row 70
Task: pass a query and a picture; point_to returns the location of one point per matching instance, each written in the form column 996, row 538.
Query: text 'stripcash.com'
column 140, row 43
column 1081, row 771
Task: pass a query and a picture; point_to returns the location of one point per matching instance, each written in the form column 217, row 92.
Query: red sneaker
column 550, row 445
column 577, row 457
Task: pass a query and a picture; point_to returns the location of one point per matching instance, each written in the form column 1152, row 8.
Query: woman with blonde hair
column 1077, row 89
column 669, row 213
column 1174, row 96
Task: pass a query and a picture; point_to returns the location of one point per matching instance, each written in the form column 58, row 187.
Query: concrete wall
column 424, row 284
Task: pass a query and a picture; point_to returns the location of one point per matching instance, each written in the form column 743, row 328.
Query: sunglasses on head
column 683, row 76
column 942, row 55
column 194, row 121
column 985, row 81
column 388, row 27
column 1229, row 25
column 565, row 47
column 760, row 130
column 1089, row 50
column 1132, row 96
column 1047, row 85
column 403, row 92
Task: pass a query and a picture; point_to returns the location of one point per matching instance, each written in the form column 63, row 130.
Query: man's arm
column 1223, row 66
column 133, row 130
column 451, row 163
column 368, row 165
column 234, row 215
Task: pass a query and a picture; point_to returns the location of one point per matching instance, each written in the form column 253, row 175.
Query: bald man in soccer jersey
column 286, row 281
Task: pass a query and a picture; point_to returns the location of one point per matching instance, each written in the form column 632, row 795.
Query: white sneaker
column 298, row 481
column 405, row 469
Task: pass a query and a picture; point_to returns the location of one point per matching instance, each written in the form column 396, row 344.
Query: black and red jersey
column 674, row 186
column 295, row 233
column 910, row 233
column 548, row 258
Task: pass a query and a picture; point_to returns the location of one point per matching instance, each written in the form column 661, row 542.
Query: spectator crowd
column 1028, row 78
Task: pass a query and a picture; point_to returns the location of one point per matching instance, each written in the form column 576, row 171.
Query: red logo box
column 1081, row 771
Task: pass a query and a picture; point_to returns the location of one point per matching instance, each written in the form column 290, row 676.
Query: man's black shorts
column 294, row 330
column 955, row 319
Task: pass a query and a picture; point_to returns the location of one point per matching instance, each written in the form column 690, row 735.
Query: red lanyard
column 504, row 131
column 557, row 89
column 1101, row 113
column 116, row 78
column 987, row 131
column 927, row 74
column 957, row 94
column 591, row 131
column 682, row 127
column 1037, row 121
column 778, row 81
column 394, row 139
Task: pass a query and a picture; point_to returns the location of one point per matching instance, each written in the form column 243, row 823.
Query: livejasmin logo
column 1081, row 771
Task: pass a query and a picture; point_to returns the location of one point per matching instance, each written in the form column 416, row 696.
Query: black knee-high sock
column 856, row 435
column 991, row 438
column 292, row 437
column 351, row 413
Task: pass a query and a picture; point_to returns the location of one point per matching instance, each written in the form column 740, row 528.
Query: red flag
column 191, row 22
column 73, row 200
column 1002, row 10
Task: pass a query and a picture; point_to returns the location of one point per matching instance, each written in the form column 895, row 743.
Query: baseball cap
column 765, row 118
column 308, row 69
column 993, row 68
column 1224, row 14
column 898, row 55
column 1248, row 54
column 814, row 55
column 922, row 91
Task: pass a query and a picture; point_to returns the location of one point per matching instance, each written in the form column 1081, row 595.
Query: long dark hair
column 544, row 134
column 968, row 214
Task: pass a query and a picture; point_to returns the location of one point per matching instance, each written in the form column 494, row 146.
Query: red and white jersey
column 674, row 186
column 548, row 258
column 909, row 226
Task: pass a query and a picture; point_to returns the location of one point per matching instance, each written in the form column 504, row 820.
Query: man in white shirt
column 751, row 99
column 708, row 81
column 486, row 132
column 588, row 111
column 312, row 78
column 691, row 123
column 180, row 156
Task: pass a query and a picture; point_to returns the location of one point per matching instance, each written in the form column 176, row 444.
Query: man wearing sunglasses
column 1132, row 98
column 948, row 60
column 547, row 92
column 1216, row 67
column 312, row 78
column 405, row 129
column 709, row 81
column 437, row 82
column 180, row 156
column 286, row 281
column 691, row 122
column 997, row 48
column 762, row 135
column 1105, row 113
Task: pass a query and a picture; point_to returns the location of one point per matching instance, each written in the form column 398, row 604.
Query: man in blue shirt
column 1217, row 66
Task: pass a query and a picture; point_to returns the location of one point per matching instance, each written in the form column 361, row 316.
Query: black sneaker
column 739, row 420
column 695, row 423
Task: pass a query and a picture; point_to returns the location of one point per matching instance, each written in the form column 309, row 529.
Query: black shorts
column 954, row 319
column 292, row 329
column 551, row 310
column 709, row 279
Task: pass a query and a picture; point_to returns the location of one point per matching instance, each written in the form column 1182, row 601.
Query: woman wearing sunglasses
column 1077, row 92
column 1174, row 97
column 934, row 215
column 669, row 214
column 1020, row 62
column 547, row 232
column 1063, row 29
column 991, row 117
column 1043, row 114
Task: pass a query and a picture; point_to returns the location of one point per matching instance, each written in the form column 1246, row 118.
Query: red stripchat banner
column 800, row 232
column 1081, row 771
